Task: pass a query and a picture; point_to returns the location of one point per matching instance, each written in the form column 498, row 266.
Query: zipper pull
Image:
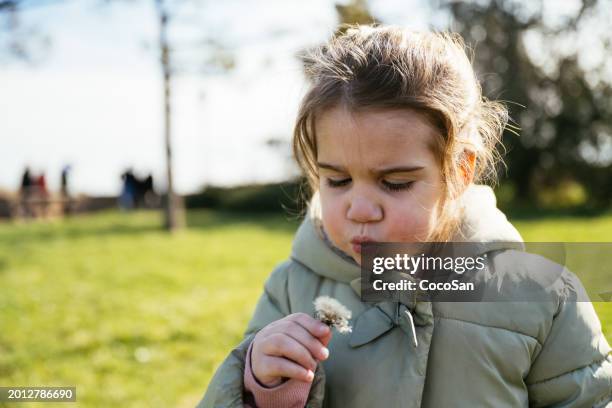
column 415, row 342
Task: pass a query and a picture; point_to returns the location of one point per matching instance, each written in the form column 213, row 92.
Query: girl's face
column 379, row 179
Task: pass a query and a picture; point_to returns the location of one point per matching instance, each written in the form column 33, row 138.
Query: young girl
column 393, row 136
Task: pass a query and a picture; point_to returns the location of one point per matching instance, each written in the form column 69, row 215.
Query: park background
column 136, row 302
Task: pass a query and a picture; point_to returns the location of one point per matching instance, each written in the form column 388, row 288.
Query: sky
column 94, row 101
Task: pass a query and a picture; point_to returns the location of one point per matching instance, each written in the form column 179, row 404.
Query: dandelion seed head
column 332, row 313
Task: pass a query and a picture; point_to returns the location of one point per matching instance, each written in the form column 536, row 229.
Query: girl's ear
column 467, row 167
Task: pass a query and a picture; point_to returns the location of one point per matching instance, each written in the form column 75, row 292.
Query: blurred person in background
column 126, row 198
column 25, row 192
column 42, row 194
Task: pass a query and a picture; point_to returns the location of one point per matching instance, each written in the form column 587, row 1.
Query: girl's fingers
column 325, row 339
column 282, row 345
column 312, row 344
column 314, row 326
column 281, row 367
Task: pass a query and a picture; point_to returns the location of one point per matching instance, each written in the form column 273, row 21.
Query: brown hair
column 373, row 67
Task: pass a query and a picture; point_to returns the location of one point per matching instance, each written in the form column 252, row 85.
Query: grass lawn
column 134, row 317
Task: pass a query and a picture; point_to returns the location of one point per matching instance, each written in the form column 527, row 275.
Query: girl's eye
column 386, row 184
column 397, row 186
column 338, row 183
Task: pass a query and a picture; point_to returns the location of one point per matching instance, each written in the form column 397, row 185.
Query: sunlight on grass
column 114, row 305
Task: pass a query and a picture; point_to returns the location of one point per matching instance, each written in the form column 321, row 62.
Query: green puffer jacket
column 495, row 354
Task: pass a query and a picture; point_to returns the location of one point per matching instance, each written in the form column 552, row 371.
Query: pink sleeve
column 290, row 394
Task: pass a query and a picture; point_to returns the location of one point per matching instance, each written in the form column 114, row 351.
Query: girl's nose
column 362, row 210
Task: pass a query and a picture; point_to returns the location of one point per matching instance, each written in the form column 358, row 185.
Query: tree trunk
column 171, row 209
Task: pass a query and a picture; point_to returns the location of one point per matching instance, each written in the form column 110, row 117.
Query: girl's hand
column 289, row 347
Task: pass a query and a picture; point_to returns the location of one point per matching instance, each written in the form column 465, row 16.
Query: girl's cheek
column 331, row 217
column 333, row 231
column 410, row 224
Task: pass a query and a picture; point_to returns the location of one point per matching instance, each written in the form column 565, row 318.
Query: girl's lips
column 357, row 248
column 358, row 241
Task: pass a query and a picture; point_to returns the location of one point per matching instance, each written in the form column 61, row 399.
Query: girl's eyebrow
column 383, row 171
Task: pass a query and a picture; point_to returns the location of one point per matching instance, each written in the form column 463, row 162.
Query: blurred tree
column 17, row 40
column 171, row 210
column 554, row 70
column 217, row 60
column 353, row 12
